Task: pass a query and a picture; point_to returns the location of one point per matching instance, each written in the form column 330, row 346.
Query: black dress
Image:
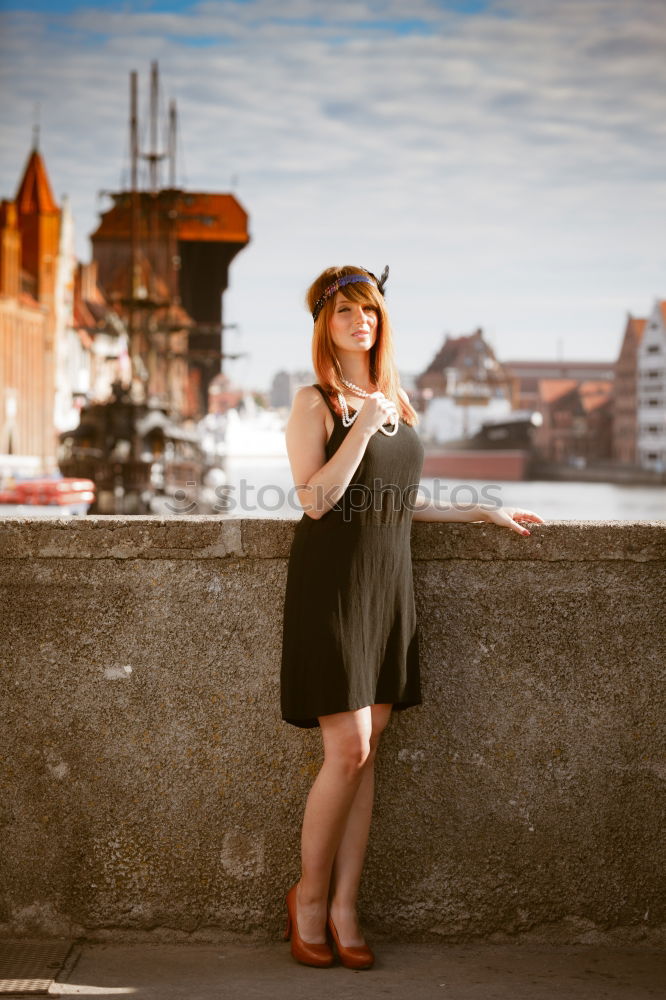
column 349, row 627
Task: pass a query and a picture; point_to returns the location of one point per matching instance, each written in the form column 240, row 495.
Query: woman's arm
column 508, row 517
column 431, row 510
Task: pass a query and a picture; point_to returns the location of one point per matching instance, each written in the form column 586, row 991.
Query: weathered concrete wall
column 147, row 781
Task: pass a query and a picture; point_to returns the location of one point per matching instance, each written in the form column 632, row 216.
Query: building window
column 653, row 402
column 653, row 429
column 652, row 456
column 653, row 348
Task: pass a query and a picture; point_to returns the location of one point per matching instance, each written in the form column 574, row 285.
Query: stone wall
column 148, row 784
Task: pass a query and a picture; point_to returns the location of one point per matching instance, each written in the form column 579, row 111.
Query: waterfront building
column 651, row 391
column 73, row 347
column 61, row 343
column 576, row 426
column 528, row 375
column 463, row 386
column 466, row 365
column 29, row 277
column 101, row 357
column 625, row 402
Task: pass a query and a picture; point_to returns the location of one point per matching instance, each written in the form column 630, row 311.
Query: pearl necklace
column 348, row 420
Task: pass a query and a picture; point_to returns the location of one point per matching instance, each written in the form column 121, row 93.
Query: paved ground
column 409, row 971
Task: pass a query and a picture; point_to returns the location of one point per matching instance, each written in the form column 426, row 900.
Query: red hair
column 383, row 369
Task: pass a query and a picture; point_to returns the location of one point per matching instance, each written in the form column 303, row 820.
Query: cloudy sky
column 506, row 158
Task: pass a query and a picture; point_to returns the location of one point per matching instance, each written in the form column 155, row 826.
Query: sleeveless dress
column 349, row 634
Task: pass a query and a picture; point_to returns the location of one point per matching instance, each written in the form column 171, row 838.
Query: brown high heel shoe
column 354, row 957
column 319, row 955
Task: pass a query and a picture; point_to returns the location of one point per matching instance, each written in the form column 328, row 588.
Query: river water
column 265, row 489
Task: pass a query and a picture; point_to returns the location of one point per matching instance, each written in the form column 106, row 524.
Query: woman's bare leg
column 348, row 863
column 336, row 823
column 347, row 748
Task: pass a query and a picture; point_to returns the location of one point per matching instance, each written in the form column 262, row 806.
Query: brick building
column 29, row 261
column 577, row 421
column 467, row 366
column 651, row 391
column 528, row 375
column 625, row 402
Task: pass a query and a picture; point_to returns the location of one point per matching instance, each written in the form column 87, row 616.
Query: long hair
column 383, row 369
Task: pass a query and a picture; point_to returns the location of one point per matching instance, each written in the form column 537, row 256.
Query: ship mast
column 154, row 158
column 135, row 278
column 173, row 263
column 173, row 126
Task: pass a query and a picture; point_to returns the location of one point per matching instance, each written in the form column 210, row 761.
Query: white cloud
column 508, row 165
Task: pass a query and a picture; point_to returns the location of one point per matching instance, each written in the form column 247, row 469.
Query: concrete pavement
column 412, row 971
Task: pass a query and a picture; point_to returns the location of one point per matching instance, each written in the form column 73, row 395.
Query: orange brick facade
column 625, row 403
column 24, row 429
column 29, row 241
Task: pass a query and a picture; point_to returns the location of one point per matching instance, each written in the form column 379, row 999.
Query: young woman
column 350, row 647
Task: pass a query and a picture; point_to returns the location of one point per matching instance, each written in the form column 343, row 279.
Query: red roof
column 7, row 214
column 594, row 394
column 34, row 193
column 198, row 216
column 636, row 326
column 453, row 349
column 551, row 389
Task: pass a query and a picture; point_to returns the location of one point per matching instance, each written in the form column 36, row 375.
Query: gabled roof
column 454, row 349
column 594, row 393
column 551, row 389
column 633, row 334
column 636, row 325
column 7, row 214
column 34, row 194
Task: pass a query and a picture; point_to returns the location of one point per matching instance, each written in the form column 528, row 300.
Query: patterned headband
column 349, row 279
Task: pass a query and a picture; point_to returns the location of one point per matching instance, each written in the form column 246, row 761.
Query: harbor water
column 265, row 489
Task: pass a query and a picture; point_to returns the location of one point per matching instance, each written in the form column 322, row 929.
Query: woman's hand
column 375, row 411
column 509, row 517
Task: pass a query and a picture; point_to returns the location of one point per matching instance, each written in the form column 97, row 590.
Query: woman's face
column 353, row 325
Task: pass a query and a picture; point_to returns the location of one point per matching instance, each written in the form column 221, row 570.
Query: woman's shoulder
column 307, row 396
column 308, row 399
column 309, row 418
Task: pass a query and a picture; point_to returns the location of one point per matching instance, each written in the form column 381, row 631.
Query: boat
column 62, row 495
column 134, row 455
column 501, row 449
